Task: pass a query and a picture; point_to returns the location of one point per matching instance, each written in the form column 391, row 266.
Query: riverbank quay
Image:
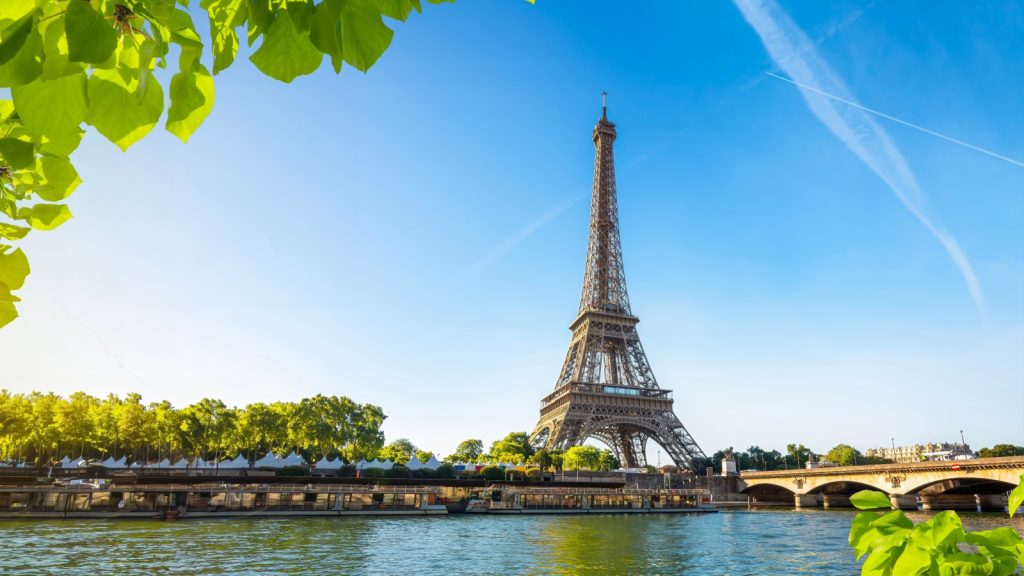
column 202, row 496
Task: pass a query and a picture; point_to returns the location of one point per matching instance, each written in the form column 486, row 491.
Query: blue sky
column 415, row 237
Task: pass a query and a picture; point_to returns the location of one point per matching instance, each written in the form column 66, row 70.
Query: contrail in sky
column 898, row 121
column 522, row 234
column 796, row 55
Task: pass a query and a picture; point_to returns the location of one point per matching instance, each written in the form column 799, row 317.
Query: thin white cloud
column 797, row 56
column 517, row 237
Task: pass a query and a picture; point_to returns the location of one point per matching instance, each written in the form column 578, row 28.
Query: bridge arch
column 847, row 487
column 960, row 485
column 769, row 492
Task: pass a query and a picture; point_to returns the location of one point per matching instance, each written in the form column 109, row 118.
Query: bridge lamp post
column 963, row 444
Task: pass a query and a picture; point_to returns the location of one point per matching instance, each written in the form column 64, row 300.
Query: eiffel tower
column 606, row 389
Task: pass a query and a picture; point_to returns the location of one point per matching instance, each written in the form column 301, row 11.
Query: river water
column 730, row 542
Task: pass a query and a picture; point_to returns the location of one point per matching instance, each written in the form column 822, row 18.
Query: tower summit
column 606, row 389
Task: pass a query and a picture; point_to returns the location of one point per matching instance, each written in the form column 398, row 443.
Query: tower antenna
column 604, row 105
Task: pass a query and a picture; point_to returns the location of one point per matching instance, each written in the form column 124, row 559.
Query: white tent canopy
column 432, row 464
column 165, row 463
column 239, row 463
column 414, row 463
column 108, row 462
column 180, row 464
column 292, row 459
column 200, row 463
column 325, row 464
column 362, row 464
column 65, row 462
column 268, row 461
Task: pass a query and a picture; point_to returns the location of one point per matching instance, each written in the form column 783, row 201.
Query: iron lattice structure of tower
column 606, row 389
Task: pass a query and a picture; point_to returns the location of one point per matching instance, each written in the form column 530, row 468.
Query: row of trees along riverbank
column 38, row 427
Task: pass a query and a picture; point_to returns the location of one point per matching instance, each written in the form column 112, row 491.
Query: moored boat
column 504, row 499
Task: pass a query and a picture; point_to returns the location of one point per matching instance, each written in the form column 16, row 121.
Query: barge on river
column 505, row 499
column 216, row 499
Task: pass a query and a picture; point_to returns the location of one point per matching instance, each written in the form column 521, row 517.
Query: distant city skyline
column 805, row 271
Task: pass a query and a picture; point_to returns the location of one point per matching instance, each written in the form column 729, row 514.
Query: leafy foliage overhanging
column 892, row 545
column 70, row 64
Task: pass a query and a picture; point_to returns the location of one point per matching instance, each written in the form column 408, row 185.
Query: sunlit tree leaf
column 870, row 499
column 13, row 269
column 325, row 32
column 117, row 113
column 26, row 64
column 14, row 37
column 53, row 108
column 90, row 37
column 17, row 153
column 61, row 178
column 191, row 98
column 47, row 216
column 12, row 232
column 364, row 36
column 285, row 54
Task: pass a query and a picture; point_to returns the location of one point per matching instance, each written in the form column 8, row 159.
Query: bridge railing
column 932, row 465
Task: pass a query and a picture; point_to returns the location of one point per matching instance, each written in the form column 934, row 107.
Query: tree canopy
column 37, row 427
column 1001, row 450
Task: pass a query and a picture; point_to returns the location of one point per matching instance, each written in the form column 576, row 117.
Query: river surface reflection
column 730, row 542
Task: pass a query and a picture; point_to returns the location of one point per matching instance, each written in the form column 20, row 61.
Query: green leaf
column 47, row 216
column 14, row 38
column 56, row 60
column 61, row 178
column 882, row 557
column 964, row 564
column 892, row 522
column 861, row 524
column 870, row 499
column 865, row 541
column 261, row 18
column 912, row 561
column 285, row 54
column 13, row 269
column 399, row 9
column 12, row 11
column 301, row 13
column 225, row 16
column 946, row 526
column 364, row 36
column 53, row 109
column 5, row 293
column 325, row 33
column 91, row 38
column 7, row 313
column 12, row 232
column 1016, row 497
column 1002, row 537
column 26, row 64
column 17, row 153
column 117, row 112
column 191, row 99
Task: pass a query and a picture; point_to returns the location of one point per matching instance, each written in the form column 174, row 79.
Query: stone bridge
column 961, row 485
